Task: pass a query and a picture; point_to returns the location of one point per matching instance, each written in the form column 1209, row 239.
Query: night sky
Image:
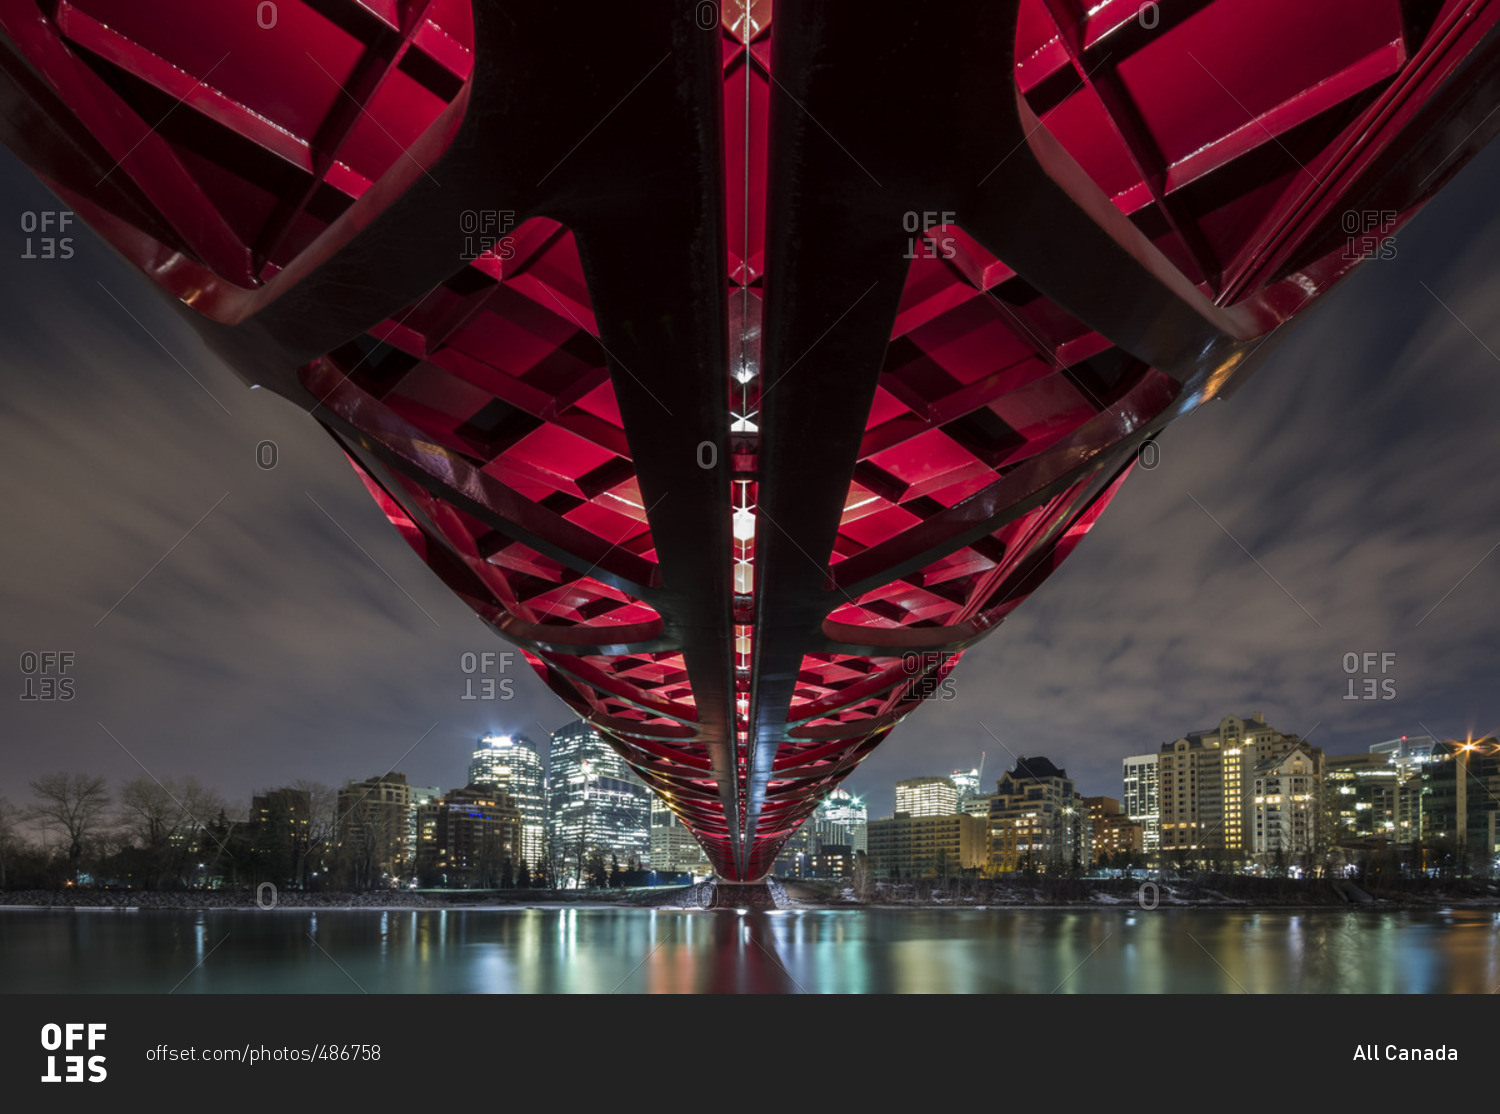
column 1347, row 499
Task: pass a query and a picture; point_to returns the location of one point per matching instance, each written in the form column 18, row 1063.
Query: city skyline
column 1120, row 788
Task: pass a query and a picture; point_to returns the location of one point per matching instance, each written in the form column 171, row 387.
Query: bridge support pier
column 743, row 895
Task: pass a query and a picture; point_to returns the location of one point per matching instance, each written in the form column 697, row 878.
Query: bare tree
column 77, row 804
column 168, row 821
column 861, row 879
column 319, row 838
column 493, row 860
column 8, row 838
column 373, row 836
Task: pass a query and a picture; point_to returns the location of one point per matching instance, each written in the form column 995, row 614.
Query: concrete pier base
column 744, row 895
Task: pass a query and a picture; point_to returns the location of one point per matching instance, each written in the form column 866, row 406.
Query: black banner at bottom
column 76, row 1051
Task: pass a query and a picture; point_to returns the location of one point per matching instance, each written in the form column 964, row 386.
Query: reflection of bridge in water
column 718, row 953
column 745, row 375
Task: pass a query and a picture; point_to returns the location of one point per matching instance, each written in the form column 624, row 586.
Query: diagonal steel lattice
column 744, row 367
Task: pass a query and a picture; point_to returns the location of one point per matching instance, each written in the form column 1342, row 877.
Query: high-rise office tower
column 927, row 796
column 512, row 763
column 596, row 803
column 842, row 819
column 967, row 784
column 1141, row 799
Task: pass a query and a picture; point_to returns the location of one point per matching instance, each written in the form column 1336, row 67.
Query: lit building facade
column 1206, row 790
column 1192, row 796
column 1410, row 755
column 420, row 795
column 596, row 803
column 1141, row 799
column 976, row 806
column 1037, row 821
column 1287, row 791
column 374, row 830
column 512, row 763
column 673, row 847
column 1461, row 796
column 926, row 846
column 280, row 826
column 833, row 860
column 468, row 838
column 794, row 860
column 968, row 786
column 842, row 818
column 1366, row 800
column 1113, row 831
column 286, row 811
column 927, row 796
column 1246, row 743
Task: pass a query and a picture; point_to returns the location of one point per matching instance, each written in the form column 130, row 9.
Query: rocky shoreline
column 786, row 895
column 212, row 899
column 1065, row 894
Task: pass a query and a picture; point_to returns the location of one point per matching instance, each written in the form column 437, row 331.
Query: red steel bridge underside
column 745, row 366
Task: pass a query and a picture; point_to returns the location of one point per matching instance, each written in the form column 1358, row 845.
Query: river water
column 601, row 950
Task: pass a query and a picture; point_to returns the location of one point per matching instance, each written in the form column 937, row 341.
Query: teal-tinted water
column 497, row 951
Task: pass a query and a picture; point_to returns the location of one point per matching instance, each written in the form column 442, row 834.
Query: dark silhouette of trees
column 317, row 841
column 226, row 850
column 370, row 834
column 10, row 843
column 75, row 804
column 165, row 820
column 596, row 873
